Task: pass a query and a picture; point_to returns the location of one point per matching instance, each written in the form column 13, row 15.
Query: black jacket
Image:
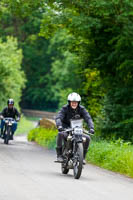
column 13, row 113
column 66, row 113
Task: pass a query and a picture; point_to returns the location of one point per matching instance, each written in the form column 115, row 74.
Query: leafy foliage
column 103, row 33
column 87, row 49
column 64, row 67
column 11, row 76
column 23, row 21
column 116, row 156
column 44, row 137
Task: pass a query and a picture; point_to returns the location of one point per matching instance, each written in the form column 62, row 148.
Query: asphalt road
column 28, row 172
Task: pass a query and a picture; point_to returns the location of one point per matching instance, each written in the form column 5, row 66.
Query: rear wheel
column 78, row 161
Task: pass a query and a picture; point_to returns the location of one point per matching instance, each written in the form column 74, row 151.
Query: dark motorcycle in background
column 72, row 150
column 7, row 132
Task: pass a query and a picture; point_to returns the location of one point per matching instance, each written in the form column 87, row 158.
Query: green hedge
column 44, row 137
column 116, row 156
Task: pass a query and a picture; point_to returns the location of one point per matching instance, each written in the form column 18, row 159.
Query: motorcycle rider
column 63, row 118
column 12, row 112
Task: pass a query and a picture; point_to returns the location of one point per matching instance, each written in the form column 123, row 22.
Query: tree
column 22, row 20
column 103, row 32
column 64, row 72
column 11, row 75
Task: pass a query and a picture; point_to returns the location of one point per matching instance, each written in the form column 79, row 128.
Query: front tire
column 7, row 136
column 6, row 140
column 78, row 161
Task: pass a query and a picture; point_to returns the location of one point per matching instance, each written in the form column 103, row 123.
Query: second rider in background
column 9, row 112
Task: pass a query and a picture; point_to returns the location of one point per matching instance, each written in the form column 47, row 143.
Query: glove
column 60, row 128
column 91, row 131
column 1, row 117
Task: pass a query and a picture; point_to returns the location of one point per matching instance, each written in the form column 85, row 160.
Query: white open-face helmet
column 74, row 97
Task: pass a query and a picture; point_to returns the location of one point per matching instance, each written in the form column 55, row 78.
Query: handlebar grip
column 85, row 131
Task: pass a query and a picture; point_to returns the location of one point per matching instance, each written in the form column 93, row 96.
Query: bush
column 44, row 137
column 116, row 156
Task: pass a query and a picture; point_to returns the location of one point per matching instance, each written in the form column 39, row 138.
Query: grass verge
column 115, row 156
column 24, row 126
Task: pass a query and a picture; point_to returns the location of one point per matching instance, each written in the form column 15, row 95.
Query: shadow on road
column 54, row 174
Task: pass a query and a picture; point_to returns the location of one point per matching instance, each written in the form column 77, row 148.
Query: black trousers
column 62, row 136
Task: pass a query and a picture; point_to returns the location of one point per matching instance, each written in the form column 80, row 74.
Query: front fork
column 77, row 140
column 75, row 155
column 7, row 129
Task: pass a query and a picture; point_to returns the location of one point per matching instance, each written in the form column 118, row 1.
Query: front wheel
column 6, row 141
column 7, row 136
column 78, row 161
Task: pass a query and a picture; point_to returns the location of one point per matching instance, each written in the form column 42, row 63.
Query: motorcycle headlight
column 78, row 131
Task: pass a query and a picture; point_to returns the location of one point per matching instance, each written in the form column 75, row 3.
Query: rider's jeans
column 14, row 126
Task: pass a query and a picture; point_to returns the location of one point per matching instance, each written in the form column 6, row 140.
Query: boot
column 59, row 155
column 85, row 152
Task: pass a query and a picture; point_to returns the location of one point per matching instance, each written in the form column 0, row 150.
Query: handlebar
column 71, row 129
column 67, row 130
column 1, row 117
column 87, row 133
column 9, row 118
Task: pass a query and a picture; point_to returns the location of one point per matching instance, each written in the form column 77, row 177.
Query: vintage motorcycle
column 72, row 150
column 7, row 132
